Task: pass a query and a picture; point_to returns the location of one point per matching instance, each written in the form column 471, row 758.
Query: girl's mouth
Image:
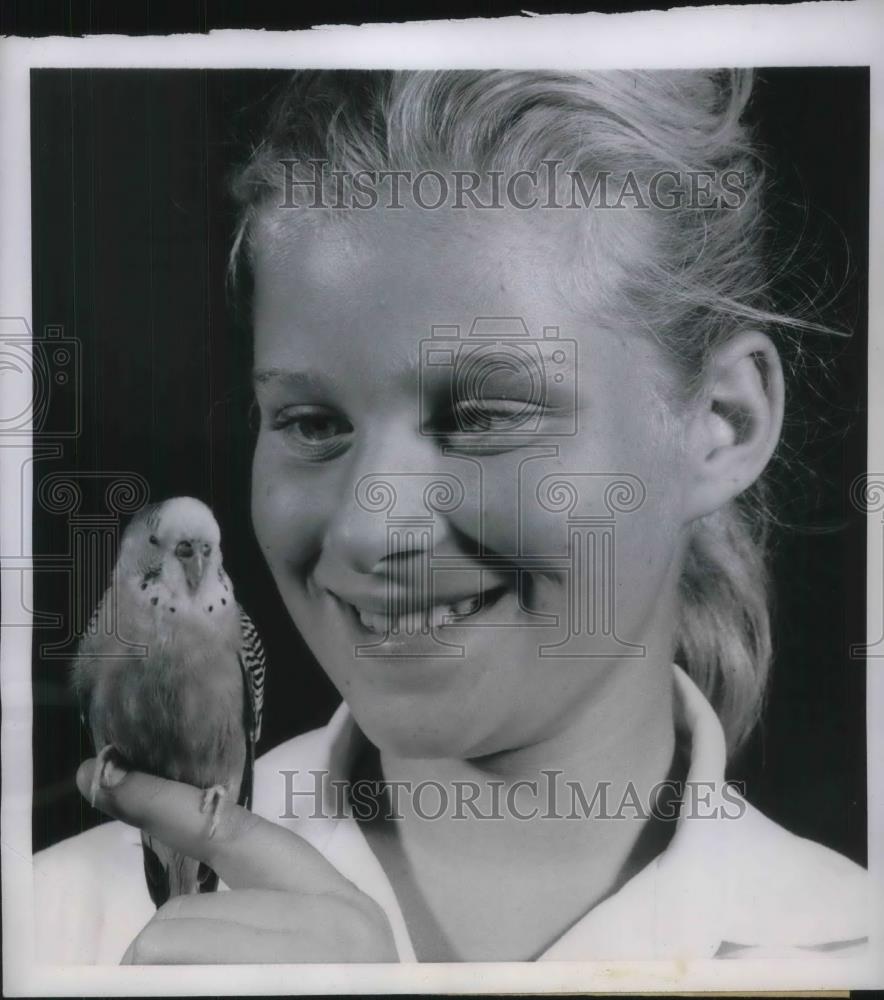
column 430, row 618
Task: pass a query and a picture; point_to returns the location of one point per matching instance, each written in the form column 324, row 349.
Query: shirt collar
column 695, row 895
column 672, row 908
column 667, row 908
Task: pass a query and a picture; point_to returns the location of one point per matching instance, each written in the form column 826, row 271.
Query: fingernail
column 113, row 774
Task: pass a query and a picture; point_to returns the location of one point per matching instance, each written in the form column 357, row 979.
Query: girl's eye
column 493, row 426
column 314, row 431
column 494, row 416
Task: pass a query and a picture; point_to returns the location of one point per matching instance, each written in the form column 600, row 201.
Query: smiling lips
column 404, row 613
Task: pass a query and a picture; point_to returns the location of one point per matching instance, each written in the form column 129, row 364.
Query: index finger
column 247, row 851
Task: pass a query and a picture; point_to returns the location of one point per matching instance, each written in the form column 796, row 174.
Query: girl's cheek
column 521, row 512
column 498, row 509
column 287, row 515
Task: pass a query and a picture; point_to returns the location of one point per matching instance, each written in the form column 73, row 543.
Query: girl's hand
column 286, row 902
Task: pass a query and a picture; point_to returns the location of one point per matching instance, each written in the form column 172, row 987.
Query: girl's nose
column 395, row 504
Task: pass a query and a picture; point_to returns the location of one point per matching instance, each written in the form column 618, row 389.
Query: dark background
column 131, row 229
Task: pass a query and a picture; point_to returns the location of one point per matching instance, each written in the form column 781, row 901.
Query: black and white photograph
column 442, row 518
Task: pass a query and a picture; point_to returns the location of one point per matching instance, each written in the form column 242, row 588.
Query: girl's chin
column 419, row 731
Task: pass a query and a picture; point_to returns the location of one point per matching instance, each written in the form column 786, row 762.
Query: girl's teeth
column 421, row 621
column 376, row 623
column 466, row 607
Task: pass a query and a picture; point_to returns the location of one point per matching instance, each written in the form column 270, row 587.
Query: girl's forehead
column 434, row 267
column 286, row 233
column 354, row 304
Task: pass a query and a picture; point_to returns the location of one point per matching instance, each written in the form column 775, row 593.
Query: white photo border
column 807, row 34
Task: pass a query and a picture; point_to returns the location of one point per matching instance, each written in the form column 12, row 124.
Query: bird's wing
column 252, row 664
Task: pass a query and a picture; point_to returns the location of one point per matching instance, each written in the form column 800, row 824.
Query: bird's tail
column 169, row 873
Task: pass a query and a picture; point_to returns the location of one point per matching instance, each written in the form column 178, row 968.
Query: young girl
column 514, row 364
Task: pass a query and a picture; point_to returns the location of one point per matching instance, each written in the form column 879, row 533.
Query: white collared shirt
column 723, row 886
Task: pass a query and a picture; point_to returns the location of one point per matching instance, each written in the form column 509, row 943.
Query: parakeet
column 169, row 675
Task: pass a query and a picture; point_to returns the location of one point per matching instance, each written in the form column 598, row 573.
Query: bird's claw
column 106, row 762
column 212, row 799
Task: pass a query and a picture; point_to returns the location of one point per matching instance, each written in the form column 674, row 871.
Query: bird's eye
column 154, row 540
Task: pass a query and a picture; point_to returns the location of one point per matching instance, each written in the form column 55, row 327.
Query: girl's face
column 360, row 416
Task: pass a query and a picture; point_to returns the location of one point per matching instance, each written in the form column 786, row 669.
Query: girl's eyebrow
column 292, row 379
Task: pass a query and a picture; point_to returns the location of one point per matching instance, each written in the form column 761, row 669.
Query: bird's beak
column 194, row 568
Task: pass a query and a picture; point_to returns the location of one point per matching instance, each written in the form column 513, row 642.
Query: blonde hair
column 702, row 276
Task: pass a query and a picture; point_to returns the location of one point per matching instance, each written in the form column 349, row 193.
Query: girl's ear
column 735, row 427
